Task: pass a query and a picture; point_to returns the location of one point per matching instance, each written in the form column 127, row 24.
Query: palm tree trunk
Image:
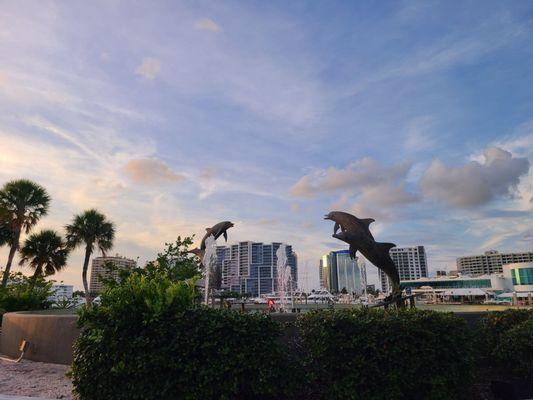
column 36, row 274
column 12, row 251
column 88, row 298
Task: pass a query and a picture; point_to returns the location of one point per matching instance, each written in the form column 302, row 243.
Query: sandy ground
column 35, row 379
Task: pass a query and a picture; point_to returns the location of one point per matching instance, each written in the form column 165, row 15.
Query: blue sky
column 171, row 116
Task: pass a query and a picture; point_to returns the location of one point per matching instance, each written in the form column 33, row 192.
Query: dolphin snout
column 326, row 216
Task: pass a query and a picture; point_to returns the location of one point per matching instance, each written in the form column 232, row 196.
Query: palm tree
column 91, row 229
column 46, row 253
column 22, row 204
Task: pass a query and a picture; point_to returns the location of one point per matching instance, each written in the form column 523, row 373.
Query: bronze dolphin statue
column 217, row 230
column 375, row 252
column 349, row 222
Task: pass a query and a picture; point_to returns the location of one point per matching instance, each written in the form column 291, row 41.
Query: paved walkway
column 34, row 380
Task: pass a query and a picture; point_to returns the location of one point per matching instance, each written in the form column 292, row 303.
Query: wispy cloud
column 206, row 24
column 149, row 68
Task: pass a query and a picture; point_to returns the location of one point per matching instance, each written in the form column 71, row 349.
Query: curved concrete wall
column 50, row 336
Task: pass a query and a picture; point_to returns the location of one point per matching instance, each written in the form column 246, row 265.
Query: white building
column 520, row 275
column 99, row 269
column 490, row 262
column 411, row 263
column 251, row 267
column 61, row 292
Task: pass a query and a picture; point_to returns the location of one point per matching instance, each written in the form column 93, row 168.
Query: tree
column 344, row 291
column 22, row 204
column 91, row 229
column 45, row 252
column 176, row 261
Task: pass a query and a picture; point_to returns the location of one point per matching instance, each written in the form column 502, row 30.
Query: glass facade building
column 338, row 271
column 251, row 267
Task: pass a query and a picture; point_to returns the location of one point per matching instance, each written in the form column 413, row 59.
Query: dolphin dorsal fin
column 386, row 246
column 367, row 221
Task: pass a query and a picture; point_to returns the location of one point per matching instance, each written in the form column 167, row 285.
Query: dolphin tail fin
column 353, row 250
column 367, row 221
column 207, row 229
column 385, row 247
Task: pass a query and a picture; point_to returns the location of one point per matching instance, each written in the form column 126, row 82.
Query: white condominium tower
column 491, row 262
column 411, row 263
column 98, row 269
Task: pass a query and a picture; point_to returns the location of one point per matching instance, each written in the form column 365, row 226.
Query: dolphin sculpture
column 349, row 222
column 220, row 229
column 375, row 252
column 356, row 233
column 217, row 230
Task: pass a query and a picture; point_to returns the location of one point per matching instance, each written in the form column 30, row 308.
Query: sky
column 170, row 116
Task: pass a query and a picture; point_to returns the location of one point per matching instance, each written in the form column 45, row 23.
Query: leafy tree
column 45, row 252
column 91, row 229
column 344, row 291
column 24, row 294
column 176, row 261
column 22, row 204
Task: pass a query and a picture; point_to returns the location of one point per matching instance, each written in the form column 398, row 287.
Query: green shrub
column 495, row 324
column 506, row 341
column 376, row 354
column 24, row 294
column 147, row 340
column 514, row 353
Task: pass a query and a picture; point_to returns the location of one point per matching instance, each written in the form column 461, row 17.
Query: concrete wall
column 50, row 336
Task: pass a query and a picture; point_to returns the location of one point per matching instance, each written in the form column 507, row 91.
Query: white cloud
column 151, row 171
column 475, row 183
column 206, row 24
column 149, row 68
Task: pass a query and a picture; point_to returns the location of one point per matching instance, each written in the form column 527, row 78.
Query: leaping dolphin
column 349, row 222
column 375, row 252
column 217, row 230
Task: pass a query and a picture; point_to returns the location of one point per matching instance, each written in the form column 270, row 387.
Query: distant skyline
column 170, row 116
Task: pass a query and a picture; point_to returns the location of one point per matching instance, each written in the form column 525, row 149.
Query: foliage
column 91, row 229
column 147, row 340
column 24, row 294
column 499, row 331
column 514, row 352
column 176, row 263
column 45, row 252
column 22, row 204
column 377, row 354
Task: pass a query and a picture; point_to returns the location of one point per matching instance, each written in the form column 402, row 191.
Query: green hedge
column 376, row 354
column 506, row 342
column 147, row 340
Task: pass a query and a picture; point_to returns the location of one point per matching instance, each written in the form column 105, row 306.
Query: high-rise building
column 61, row 292
column 411, row 263
column 490, row 262
column 251, row 267
column 98, row 269
column 338, row 271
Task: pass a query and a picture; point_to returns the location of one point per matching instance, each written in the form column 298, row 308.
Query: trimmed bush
column 514, row 353
column 377, row 354
column 147, row 340
column 496, row 323
column 506, row 341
